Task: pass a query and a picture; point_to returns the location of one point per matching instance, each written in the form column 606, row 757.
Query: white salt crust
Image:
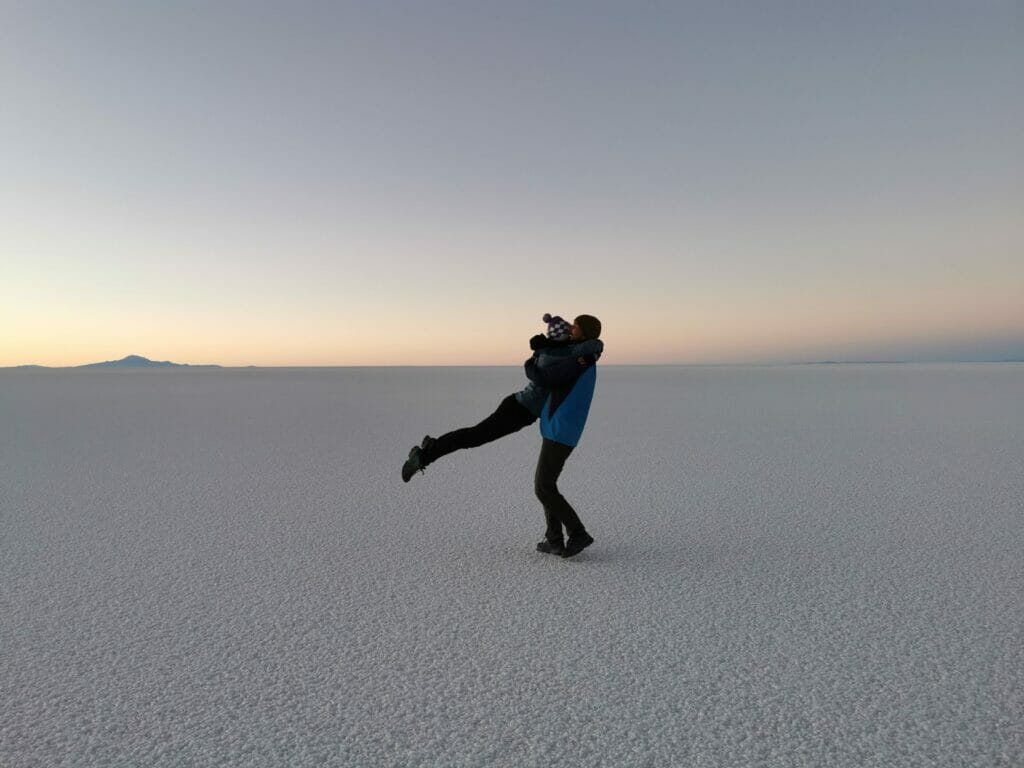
column 794, row 566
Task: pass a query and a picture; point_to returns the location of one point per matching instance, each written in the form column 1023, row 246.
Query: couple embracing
column 561, row 371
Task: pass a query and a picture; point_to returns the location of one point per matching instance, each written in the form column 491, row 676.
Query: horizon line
column 759, row 364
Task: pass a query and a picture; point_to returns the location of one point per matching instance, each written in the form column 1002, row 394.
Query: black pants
column 557, row 511
column 510, row 417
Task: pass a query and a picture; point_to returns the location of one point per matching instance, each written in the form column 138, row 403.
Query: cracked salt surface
column 798, row 566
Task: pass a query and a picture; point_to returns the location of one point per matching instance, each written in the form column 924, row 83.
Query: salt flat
column 794, row 566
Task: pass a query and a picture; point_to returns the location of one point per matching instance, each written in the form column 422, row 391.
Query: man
column 563, row 417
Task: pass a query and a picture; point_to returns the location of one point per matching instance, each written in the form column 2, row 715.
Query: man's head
column 585, row 328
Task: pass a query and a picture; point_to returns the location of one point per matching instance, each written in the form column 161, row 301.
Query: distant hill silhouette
column 132, row 361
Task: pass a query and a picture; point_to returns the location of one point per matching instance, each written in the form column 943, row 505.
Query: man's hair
column 590, row 326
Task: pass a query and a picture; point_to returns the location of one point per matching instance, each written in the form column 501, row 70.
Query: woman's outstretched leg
column 509, row 417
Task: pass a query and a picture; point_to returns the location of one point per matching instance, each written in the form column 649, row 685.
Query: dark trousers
column 557, row 511
column 509, row 417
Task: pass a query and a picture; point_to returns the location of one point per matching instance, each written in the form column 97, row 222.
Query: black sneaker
column 551, row 546
column 412, row 465
column 577, row 544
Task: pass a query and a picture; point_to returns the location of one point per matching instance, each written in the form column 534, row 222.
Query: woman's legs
column 509, row 417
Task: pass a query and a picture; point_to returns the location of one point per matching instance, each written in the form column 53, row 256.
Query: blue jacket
column 571, row 384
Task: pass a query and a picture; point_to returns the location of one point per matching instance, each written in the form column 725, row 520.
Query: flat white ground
column 794, row 566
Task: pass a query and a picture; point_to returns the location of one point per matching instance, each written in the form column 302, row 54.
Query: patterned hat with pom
column 558, row 329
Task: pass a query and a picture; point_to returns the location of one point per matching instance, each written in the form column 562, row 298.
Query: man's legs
column 509, row 417
column 557, row 511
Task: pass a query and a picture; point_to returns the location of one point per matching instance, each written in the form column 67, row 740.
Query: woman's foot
column 416, row 461
column 413, row 464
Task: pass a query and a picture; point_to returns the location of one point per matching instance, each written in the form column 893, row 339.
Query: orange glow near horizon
column 766, row 337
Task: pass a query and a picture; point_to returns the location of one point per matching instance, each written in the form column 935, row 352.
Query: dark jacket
column 548, row 352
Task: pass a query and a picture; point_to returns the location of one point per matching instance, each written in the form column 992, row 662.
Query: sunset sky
column 409, row 183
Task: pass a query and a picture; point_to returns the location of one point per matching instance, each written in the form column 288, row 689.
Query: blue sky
column 417, row 183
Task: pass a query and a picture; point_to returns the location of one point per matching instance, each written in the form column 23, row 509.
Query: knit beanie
column 558, row 329
column 590, row 326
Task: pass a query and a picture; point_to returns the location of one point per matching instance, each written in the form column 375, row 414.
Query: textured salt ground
column 794, row 566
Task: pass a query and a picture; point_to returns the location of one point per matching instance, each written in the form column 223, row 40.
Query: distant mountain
column 132, row 361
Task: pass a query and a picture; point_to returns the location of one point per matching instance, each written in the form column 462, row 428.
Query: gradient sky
column 340, row 183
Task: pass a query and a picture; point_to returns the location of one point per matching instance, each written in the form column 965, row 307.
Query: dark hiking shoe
column 551, row 546
column 416, row 461
column 412, row 465
column 577, row 544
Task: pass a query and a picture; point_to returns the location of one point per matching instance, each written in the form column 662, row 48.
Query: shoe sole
column 412, row 452
column 558, row 552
